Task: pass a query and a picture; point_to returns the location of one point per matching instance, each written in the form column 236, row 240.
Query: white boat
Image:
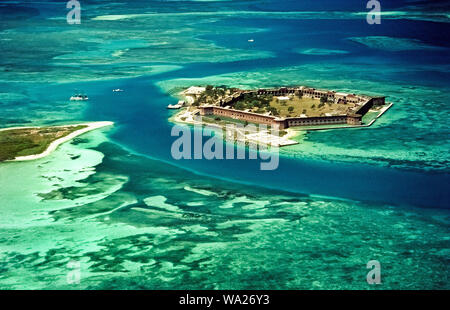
column 251, row 40
column 174, row 106
column 79, row 97
column 117, row 90
column 179, row 105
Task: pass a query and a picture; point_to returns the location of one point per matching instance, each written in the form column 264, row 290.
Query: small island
column 283, row 108
column 29, row 143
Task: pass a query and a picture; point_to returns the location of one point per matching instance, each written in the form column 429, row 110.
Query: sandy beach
column 54, row 145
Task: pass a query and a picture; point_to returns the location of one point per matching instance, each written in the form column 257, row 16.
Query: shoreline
column 54, row 145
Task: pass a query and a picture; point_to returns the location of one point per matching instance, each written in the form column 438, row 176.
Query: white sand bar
column 54, row 145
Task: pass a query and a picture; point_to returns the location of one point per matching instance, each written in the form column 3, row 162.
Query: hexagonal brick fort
column 362, row 105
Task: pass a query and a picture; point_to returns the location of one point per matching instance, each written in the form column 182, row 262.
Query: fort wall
column 280, row 123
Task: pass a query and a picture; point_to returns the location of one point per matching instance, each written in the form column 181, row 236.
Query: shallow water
column 116, row 202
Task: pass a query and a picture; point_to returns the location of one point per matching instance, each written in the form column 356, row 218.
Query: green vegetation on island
column 31, row 141
column 211, row 94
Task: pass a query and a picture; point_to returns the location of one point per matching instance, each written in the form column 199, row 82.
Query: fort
column 279, row 107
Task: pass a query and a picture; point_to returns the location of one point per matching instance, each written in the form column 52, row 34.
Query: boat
column 179, row 105
column 79, row 97
column 117, row 90
column 173, row 106
column 251, row 40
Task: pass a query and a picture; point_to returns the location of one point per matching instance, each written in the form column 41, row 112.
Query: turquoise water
column 116, row 202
